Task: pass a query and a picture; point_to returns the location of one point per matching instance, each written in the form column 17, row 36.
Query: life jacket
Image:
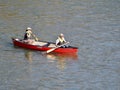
column 27, row 35
column 61, row 40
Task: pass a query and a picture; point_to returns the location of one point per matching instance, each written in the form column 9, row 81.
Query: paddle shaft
column 36, row 39
column 52, row 49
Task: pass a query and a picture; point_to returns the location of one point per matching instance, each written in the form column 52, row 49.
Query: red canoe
column 43, row 46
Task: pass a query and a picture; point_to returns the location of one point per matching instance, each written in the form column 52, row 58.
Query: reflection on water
column 28, row 55
column 60, row 58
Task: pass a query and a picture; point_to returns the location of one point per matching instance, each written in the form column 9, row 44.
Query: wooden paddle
column 52, row 49
column 36, row 39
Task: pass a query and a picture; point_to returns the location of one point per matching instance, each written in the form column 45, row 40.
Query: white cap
column 61, row 34
column 28, row 28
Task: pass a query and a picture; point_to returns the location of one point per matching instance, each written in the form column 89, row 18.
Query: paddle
column 36, row 39
column 52, row 49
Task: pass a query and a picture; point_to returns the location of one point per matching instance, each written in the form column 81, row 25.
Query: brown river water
column 91, row 25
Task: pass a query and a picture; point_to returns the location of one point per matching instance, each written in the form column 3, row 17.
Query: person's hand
column 36, row 39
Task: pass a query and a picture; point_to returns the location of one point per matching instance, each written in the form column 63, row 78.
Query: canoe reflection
column 59, row 56
column 61, row 59
column 28, row 55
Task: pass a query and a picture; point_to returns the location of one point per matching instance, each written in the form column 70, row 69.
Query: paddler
column 60, row 40
column 29, row 35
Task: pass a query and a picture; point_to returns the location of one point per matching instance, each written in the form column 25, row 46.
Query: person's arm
column 57, row 41
column 33, row 35
column 64, row 39
column 36, row 39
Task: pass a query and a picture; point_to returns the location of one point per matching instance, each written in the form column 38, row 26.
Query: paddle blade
column 48, row 51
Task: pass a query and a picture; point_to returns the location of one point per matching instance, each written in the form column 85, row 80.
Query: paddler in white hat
column 29, row 34
column 60, row 40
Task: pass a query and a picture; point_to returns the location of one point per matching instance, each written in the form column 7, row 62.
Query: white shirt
column 60, row 40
